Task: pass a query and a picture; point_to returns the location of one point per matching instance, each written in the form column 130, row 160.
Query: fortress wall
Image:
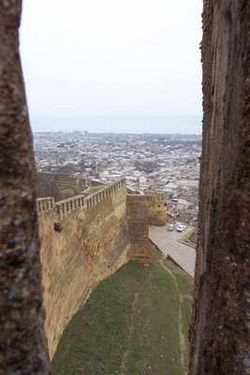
column 82, row 243
column 45, row 204
column 138, row 211
column 59, row 185
column 157, row 210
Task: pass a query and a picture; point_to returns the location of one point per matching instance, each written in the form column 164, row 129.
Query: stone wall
column 45, row 204
column 83, row 241
column 157, row 210
column 138, row 212
column 59, row 185
column 220, row 338
column 219, row 334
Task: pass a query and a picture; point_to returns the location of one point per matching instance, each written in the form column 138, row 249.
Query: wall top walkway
column 78, row 202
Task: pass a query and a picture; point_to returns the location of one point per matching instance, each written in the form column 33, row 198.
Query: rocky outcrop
column 23, row 346
column 219, row 333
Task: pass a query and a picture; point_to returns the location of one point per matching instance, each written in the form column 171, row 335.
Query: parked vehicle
column 171, row 227
column 180, row 227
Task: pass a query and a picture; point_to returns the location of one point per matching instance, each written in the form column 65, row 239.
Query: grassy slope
column 130, row 325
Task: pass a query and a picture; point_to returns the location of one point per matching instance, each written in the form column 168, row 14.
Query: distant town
column 166, row 163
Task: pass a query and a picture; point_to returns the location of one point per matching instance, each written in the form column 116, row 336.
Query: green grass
column 130, row 325
column 155, row 344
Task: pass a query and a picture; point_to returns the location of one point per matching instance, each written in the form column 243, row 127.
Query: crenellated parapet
column 69, row 205
column 79, row 202
column 45, row 204
column 85, row 239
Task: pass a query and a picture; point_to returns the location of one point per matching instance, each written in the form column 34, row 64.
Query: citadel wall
column 83, row 241
column 157, row 206
column 138, row 214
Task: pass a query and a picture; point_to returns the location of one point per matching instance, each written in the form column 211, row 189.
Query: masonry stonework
column 157, row 206
column 138, row 212
column 220, row 338
column 80, row 247
column 85, row 239
column 219, row 333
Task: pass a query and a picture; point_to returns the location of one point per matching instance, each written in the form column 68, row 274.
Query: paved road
column 168, row 243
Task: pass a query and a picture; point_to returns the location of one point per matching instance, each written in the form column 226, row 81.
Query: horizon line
column 111, row 132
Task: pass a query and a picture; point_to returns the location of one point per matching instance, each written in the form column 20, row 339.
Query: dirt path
column 124, row 362
column 182, row 343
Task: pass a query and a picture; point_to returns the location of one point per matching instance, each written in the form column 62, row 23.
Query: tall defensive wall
column 83, row 241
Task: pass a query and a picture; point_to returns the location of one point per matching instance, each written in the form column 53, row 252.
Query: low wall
column 83, row 241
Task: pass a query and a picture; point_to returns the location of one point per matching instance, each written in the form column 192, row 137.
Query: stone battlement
column 85, row 239
column 78, row 202
column 45, row 204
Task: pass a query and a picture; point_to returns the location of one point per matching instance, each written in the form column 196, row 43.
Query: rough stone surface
column 157, row 208
column 138, row 211
column 23, row 346
column 89, row 246
column 219, row 334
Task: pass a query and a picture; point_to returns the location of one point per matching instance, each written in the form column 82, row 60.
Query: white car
column 180, row 228
column 171, row 227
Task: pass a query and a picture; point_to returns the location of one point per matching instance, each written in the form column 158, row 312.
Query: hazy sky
column 112, row 58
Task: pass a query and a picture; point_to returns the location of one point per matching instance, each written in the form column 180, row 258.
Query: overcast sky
column 86, row 60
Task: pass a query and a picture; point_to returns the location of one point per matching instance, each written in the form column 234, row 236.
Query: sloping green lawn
column 136, row 322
